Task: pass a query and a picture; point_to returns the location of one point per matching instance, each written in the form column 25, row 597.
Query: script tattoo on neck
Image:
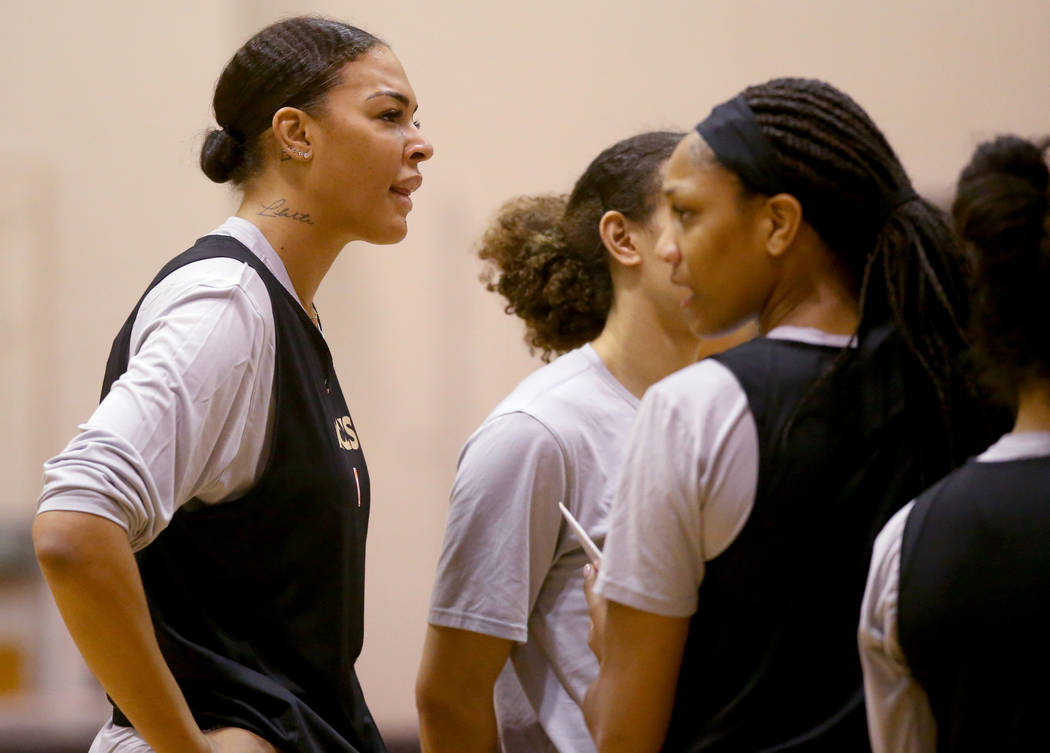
column 278, row 209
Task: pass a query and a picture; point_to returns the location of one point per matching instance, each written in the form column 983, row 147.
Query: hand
column 237, row 740
column 597, row 607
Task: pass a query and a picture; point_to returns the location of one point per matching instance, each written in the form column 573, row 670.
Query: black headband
column 732, row 132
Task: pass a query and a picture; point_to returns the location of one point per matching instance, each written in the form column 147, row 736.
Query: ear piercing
column 297, row 153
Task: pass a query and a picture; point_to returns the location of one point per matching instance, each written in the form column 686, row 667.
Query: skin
column 644, row 339
column 1033, row 406
column 740, row 257
column 639, row 656
column 361, row 153
column 362, row 150
column 646, row 336
column 735, row 258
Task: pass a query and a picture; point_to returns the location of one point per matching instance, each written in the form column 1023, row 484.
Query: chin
column 389, row 235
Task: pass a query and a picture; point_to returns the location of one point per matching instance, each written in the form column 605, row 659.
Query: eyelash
column 394, row 116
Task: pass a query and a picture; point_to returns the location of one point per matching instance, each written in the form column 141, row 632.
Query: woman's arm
column 88, row 564
column 454, row 690
column 91, row 570
column 179, row 424
column 500, row 540
column 687, row 486
column 639, row 653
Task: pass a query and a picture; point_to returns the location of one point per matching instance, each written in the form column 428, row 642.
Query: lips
column 408, row 185
column 402, row 190
column 682, row 282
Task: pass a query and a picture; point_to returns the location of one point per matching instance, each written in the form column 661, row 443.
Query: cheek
column 704, row 253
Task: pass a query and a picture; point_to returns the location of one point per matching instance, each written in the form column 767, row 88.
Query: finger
column 590, row 576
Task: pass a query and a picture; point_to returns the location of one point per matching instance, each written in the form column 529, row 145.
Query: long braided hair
column 898, row 247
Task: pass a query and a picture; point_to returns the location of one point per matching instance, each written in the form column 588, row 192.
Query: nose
column 667, row 248
column 419, row 149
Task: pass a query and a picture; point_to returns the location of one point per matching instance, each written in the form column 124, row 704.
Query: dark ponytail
column 544, row 254
column 291, row 63
column 1002, row 211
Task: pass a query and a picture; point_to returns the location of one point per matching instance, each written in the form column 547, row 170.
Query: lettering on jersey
column 344, row 432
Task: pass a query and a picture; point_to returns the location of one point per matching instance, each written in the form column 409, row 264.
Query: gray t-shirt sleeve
column 502, row 530
column 686, row 491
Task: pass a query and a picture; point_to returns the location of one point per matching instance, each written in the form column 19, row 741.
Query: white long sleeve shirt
column 190, row 419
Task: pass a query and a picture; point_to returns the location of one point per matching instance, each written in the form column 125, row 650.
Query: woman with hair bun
column 953, row 627
column 725, row 606
column 204, row 534
column 506, row 650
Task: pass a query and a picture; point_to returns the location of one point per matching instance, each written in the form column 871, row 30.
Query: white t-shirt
column 510, row 568
column 688, row 484
column 900, row 719
column 190, row 418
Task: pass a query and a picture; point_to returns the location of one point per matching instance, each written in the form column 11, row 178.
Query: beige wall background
column 105, row 104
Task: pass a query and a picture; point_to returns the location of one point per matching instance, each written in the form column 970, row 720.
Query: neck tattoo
column 278, row 209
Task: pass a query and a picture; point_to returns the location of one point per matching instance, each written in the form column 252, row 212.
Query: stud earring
column 297, row 153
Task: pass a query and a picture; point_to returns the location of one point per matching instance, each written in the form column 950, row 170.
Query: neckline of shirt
column 252, row 238
column 811, row 336
column 1017, row 446
column 607, row 376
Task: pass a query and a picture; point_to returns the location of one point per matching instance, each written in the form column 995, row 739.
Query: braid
column 856, row 194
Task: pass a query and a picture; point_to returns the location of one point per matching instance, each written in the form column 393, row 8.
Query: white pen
column 593, row 552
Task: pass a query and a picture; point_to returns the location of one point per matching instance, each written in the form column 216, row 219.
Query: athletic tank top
column 771, row 661
column 974, row 604
column 258, row 602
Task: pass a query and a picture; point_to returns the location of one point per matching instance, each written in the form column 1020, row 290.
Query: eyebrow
column 394, row 95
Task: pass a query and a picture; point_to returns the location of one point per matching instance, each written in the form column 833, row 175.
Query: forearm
column 628, row 708
column 92, row 573
column 466, row 725
column 454, row 690
column 615, row 731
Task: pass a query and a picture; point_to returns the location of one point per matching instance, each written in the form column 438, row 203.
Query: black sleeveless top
column 258, row 602
column 771, row 660
column 974, row 604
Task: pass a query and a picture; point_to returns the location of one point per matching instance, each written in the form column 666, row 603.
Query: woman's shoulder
column 219, row 264
column 570, row 383
column 572, row 402
column 704, row 382
column 220, row 280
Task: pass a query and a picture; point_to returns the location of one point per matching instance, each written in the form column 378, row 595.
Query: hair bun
column 1003, row 210
column 221, row 155
column 1002, row 199
column 1010, row 156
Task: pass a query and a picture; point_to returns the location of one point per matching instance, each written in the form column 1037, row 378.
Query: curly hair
column 545, row 256
column 1002, row 211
